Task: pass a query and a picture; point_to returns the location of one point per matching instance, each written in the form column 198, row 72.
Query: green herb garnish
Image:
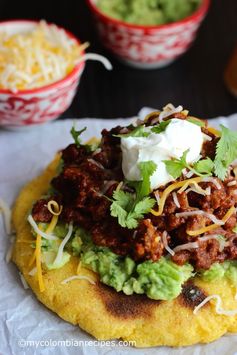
column 138, row 131
column 201, row 168
column 129, row 207
column 226, row 152
column 161, row 127
column 76, row 135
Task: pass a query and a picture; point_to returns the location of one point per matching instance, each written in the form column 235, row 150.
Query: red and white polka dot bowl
column 148, row 47
column 30, row 107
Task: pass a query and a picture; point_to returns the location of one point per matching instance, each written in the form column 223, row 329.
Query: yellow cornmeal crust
column 103, row 312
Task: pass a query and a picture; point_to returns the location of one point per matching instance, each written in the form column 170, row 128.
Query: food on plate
column 137, row 231
column 40, row 56
column 148, row 12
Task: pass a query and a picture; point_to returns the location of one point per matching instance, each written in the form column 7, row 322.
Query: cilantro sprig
column 175, row 167
column 226, row 152
column 141, row 130
column 138, row 131
column 129, row 207
column 76, row 136
column 161, row 127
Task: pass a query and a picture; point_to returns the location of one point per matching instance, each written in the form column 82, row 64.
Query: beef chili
column 88, row 179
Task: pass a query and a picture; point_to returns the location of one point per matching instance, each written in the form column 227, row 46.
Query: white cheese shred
column 187, row 246
column 207, row 137
column 195, row 245
column 219, row 309
column 213, row 180
column 232, row 183
column 63, row 243
column 78, row 277
column 198, row 212
column 33, row 271
column 23, row 280
column 38, row 231
column 189, row 174
column 175, row 199
column 98, row 58
column 10, row 250
column 169, row 110
column 157, row 196
column 166, row 246
column 6, row 215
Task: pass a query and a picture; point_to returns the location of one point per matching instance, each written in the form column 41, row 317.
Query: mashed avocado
column 161, row 280
column 148, row 12
column 218, row 271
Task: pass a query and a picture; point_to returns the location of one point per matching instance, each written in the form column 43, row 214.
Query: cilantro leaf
column 120, row 206
column 204, row 166
column 201, row 168
column 226, row 151
column 128, row 207
column 143, row 207
column 147, row 168
column 124, row 198
column 176, row 166
column 196, row 121
column 76, row 134
column 138, row 131
column 161, row 127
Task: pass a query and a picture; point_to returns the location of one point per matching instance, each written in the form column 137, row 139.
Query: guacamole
column 148, row 12
column 161, row 280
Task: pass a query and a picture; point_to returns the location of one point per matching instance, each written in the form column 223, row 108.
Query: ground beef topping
column 85, row 187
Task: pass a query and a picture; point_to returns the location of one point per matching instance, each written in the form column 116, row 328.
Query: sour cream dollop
column 179, row 136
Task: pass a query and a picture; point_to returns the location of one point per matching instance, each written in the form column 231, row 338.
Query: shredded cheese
column 45, row 235
column 165, row 242
column 32, row 259
column 211, row 216
column 212, row 226
column 10, row 250
column 171, row 188
column 33, row 271
column 169, row 110
column 195, row 245
column 38, row 57
column 175, row 199
column 38, row 263
column 187, row 246
column 231, row 183
column 49, row 230
column 79, row 267
column 218, row 306
column 97, row 57
column 23, row 280
column 7, row 216
column 78, row 277
column 63, row 243
column 214, row 131
column 57, row 210
column 207, row 138
column 213, row 180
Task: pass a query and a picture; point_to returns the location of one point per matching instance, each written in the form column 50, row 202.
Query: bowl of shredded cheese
column 40, row 69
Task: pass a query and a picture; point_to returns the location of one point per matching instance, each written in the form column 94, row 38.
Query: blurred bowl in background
column 35, row 106
column 148, row 47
